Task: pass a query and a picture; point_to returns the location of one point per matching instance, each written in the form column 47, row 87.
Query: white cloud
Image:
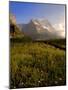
column 60, row 27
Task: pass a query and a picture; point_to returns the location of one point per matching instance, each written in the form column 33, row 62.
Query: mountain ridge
column 39, row 29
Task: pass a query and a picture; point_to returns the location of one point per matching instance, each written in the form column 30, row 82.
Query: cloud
column 60, row 27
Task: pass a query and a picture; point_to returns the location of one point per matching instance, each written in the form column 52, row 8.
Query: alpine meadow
column 37, row 46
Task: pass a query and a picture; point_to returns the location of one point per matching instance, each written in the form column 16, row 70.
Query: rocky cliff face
column 14, row 29
column 39, row 30
column 12, row 19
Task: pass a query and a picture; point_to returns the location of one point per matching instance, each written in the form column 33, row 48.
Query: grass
column 58, row 43
column 36, row 64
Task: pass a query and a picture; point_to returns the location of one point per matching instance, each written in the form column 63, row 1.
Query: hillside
column 58, row 43
column 36, row 64
column 14, row 29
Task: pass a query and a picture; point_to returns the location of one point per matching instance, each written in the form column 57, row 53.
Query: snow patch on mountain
column 40, row 29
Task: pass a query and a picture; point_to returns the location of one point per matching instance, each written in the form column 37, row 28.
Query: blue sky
column 24, row 12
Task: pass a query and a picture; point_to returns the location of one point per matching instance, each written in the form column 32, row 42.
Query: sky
column 24, row 12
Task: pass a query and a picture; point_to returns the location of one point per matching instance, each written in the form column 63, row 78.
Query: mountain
column 39, row 29
column 14, row 29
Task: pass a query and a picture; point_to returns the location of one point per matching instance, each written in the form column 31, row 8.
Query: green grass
column 60, row 43
column 36, row 64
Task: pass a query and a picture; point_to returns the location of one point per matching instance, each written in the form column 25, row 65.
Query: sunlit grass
column 36, row 64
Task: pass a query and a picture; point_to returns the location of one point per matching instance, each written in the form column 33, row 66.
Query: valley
column 37, row 55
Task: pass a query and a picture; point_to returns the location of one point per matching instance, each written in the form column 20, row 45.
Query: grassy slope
column 58, row 43
column 36, row 64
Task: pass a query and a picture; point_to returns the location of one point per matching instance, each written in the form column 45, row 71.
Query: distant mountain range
column 39, row 29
